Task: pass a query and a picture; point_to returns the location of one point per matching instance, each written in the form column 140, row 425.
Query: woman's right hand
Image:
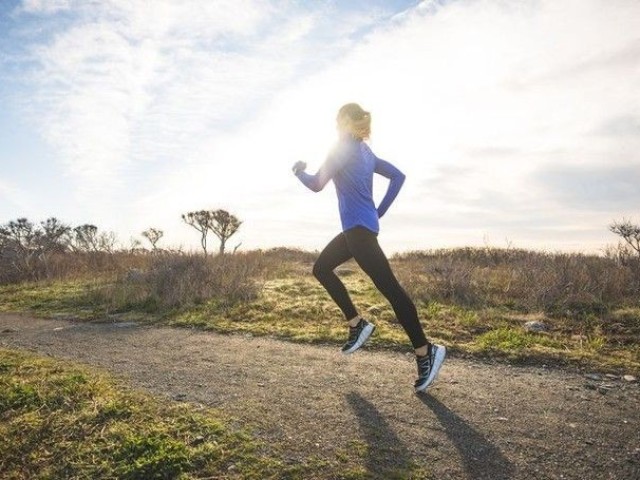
column 299, row 167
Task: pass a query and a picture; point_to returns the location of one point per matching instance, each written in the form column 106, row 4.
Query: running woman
column 351, row 165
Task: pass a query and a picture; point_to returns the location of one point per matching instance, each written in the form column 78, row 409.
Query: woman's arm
column 396, row 179
column 314, row 182
column 318, row 181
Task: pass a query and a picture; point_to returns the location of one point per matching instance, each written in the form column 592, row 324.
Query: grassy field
column 278, row 296
column 61, row 420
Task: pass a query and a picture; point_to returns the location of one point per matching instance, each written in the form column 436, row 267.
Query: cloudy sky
column 517, row 122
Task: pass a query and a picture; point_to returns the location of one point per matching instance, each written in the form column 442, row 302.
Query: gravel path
column 479, row 421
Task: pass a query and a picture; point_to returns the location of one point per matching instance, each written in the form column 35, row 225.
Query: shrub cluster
column 556, row 283
column 178, row 280
column 53, row 250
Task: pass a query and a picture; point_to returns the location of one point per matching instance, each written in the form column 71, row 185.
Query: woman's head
column 354, row 120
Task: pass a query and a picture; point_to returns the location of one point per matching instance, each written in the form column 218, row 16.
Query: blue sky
column 517, row 123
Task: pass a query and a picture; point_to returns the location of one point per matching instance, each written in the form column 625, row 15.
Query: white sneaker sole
column 364, row 336
column 441, row 352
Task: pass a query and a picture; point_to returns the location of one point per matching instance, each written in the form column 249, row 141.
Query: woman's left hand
column 299, row 167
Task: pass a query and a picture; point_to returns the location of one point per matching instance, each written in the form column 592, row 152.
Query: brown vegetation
column 520, row 279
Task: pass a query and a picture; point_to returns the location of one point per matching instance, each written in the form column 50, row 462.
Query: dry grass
column 176, row 281
column 65, row 266
column 528, row 281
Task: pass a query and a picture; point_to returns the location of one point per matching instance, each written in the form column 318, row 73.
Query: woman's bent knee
column 319, row 271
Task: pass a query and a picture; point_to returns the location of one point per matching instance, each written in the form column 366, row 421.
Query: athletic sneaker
column 358, row 335
column 429, row 366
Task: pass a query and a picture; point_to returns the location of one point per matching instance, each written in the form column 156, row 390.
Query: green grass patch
column 298, row 310
column 508, row 339
column 76, row 298
column 62, row 421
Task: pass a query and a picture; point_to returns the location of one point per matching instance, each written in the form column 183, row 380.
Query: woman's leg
column 333, row 255
column 367, row 252
column 370, row 257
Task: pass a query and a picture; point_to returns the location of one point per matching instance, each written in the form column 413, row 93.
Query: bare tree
column 220, row 222
column 20, row 233
column 19, row 241
column 86, row 238
column 153, row 235
column 107, row 242
column 25, row 248
column 54, row 235
column 629, row 232
column 135, row 245
column 200, row 220
column 224, row 225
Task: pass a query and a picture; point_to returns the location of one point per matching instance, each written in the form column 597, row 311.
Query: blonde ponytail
column 354, row 120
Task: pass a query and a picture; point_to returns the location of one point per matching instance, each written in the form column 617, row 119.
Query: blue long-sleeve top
column 351, row 166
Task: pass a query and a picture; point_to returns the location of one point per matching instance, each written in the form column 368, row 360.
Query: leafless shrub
column 52, row 250
column 452, row 280
column 553, row 282
column 288, row 254
column 629, row 232
column 153, row 235
column 178, row 280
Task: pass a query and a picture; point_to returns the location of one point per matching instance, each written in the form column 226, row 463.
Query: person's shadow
column 385, row 456
column 482, row 459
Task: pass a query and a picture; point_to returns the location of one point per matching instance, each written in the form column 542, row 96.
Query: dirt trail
column 479, row 421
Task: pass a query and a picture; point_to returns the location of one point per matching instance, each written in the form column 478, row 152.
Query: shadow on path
column 386, row 457
column 481, row 459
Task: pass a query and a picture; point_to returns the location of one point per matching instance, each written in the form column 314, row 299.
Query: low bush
column 180, row 280
column 559, row 284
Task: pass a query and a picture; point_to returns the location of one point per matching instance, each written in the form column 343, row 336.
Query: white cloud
column 45, row 6
column 125, row 90
column 191, row 105
column 14, row 201
column 125, row 84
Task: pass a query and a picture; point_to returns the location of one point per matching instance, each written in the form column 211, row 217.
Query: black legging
column 362, row 245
